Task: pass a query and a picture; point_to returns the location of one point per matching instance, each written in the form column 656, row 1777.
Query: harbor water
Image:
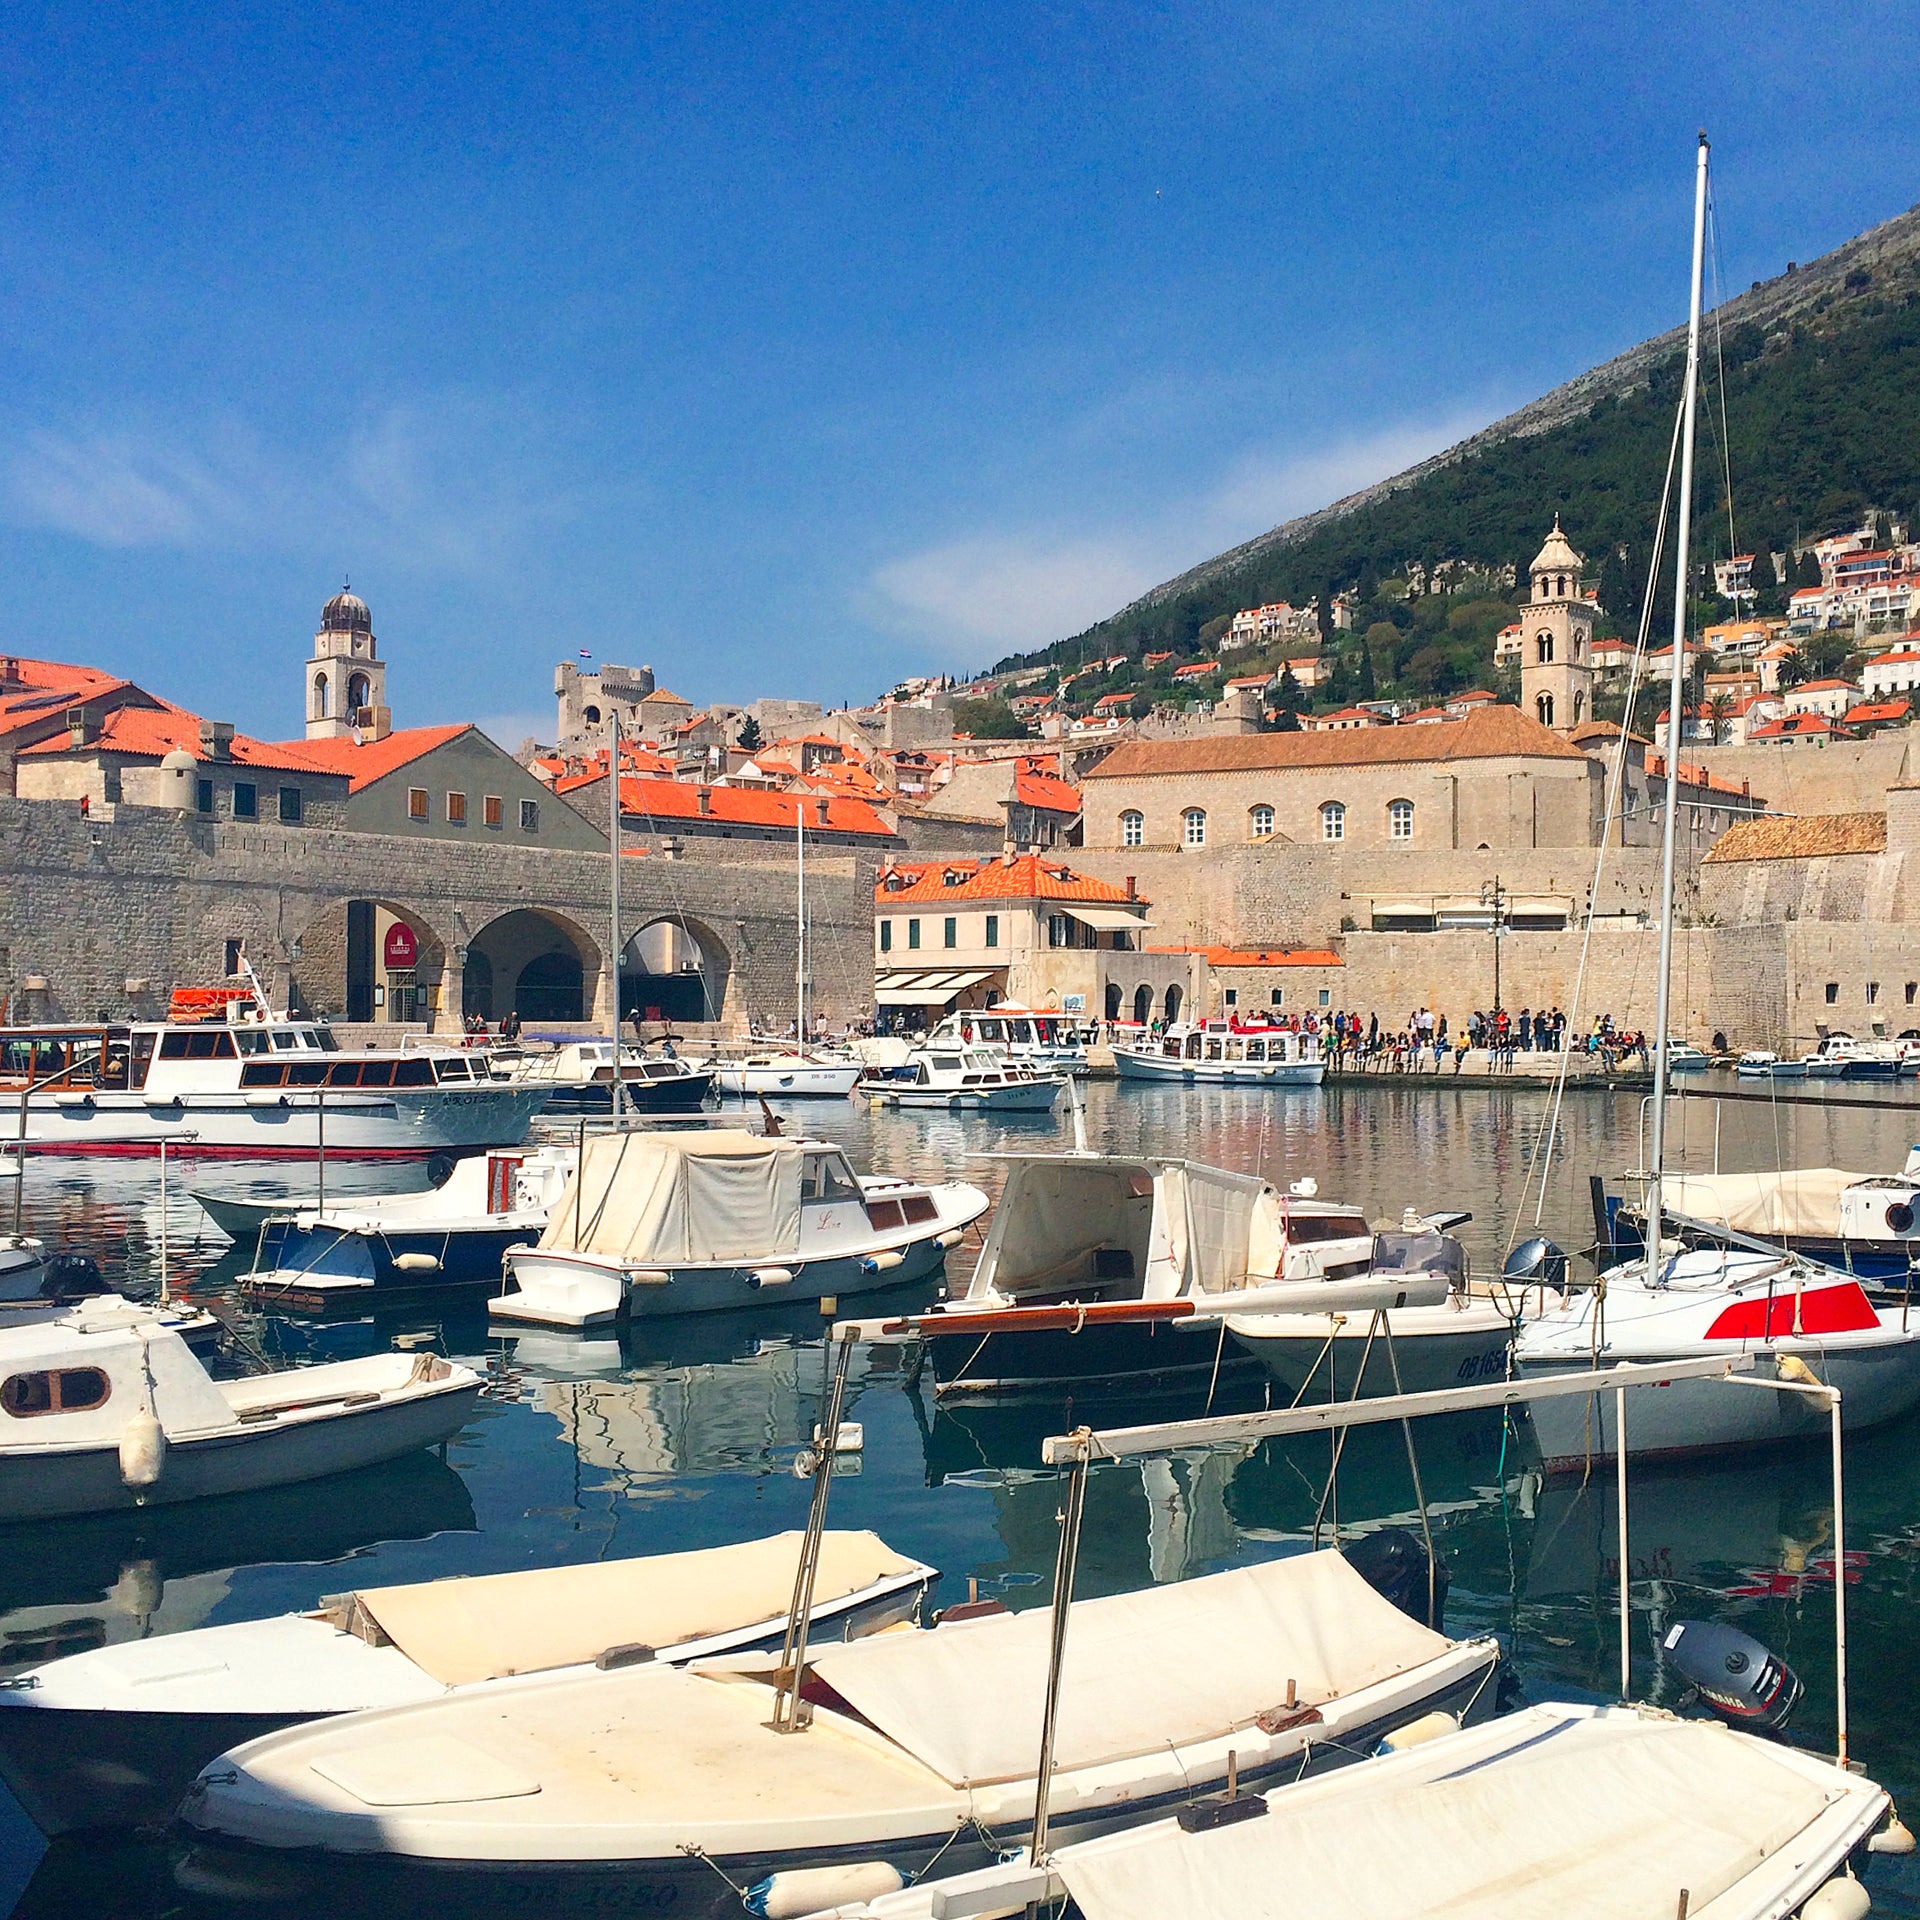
column 683, row 1434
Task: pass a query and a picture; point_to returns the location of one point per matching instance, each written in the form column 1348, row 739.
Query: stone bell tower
column 346, row 679
column 1556, row 659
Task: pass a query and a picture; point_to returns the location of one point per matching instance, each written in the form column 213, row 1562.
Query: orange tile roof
column 1485, row 733
column 150, row 733
column 1873, row 713
column 1794, row 723
column 365, row 761
column 43, row 689
column 1898, row 656
column 1262, row 956
column 1034, row 786
column 1026, row 877
column 1810, row 837
column 736, row 806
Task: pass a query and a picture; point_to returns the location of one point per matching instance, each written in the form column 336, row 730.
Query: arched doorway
column 537, row 963
column 674, row 969
column 1142, row 1005
column 1113, row 1000
column 368, row 961
column 1174, row 997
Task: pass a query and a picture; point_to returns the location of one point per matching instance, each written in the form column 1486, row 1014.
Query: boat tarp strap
column 668, row 1198
column 530, row 1622
column 1613, row 1815
column 1805, row 1200
column 1144, row 1671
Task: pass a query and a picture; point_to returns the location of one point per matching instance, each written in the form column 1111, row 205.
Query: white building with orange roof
column 1830, row 698
column 1895, row 671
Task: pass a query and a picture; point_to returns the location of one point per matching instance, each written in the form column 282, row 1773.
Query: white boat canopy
column 1765, row 1205
column 671, row 1198
column 1163, row 1668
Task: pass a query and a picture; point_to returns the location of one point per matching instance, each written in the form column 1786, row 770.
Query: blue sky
column 793, row 350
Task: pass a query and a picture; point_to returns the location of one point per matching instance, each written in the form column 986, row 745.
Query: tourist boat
column 1100, row 1268
column 114, row 1736
column 250, row 1083
column 1792, row 1318
column 105, row 1407
column 966, row 1080
column 451, row 1235
column 1224, row 1054
column 667, row 1790
column 576, row 1076
column 1759, row 1063
column 787, row 1076
column 1046, row 1041
column 692, row 1222
column 1650, row 1815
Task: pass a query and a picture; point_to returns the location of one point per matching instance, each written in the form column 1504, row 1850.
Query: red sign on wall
column 400, row 949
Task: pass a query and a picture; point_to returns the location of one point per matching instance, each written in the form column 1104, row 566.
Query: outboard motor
column 71, row 1276
column 1537, row 1263
column 1733, row 1673
column 1394, row 1564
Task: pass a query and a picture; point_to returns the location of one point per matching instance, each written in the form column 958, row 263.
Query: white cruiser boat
column 113, row 1737
column 1761, row 1063
column 1220, row 1054
column 966, row 1080
column 692, row 1222
column 254, row 1085
column 104, row 1407
column 787, row 1076
column 920, row 1746
column 1047, row 1042
column 576, row 1076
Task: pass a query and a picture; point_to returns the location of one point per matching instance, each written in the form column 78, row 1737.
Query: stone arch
column 675, row 967
column 1173, row 999
column 322, row 693
column 359, row 692
column 535, row 962
column 1113, row 998
column 1142, row 1004
column 368, row 960
column 1543, row 709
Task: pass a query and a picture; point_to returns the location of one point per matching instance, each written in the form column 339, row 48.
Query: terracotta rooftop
column 1812, row 836
column 1496, row 732
column 1809, row 725
column 735, row 806
column 1874, row 713
column 1035, row 786
column 1026, row 877
column 150, row 733
column 364, row 762
column 1261, row 956
column 36, row 691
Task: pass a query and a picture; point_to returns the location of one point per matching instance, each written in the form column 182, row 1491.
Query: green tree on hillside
column 989, row 720
column 748, row 738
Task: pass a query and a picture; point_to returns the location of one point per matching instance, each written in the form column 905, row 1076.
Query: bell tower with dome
column 346, row 691
column 1556, row 659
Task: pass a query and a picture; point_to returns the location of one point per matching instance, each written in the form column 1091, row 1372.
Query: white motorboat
column 576, row 1076
column 789, row 1076
column 919, row 1746
column 1760, row 1063
column 691, row 1222
column 23, row 1266
column 1101, row 1268
column 104, row 1407
column 1554, row 1810
column 966, row 1080
column 1047, row 1042
column 1221, row 1053
column 113, row 1737
column 253, row 1084
column 365, row 1245
column 1794, row 1319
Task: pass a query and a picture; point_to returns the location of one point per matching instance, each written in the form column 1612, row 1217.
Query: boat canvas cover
column 1143, row 1671
column 1052, row 1211
column 486, row 1628
column 1203, row 1230
column 668, row 1199
column 1610, row 1816
column 1805, row 1200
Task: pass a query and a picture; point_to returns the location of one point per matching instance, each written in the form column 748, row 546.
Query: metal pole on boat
column 613, row 902
column 1620, row 1493
column 320, row 1158
column 787, row 1717
column 165, row 1293
column 1839, row 1582
column 1066, row 1562
column 1676, row 679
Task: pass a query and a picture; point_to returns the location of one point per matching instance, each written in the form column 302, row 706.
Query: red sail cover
column 1842, row 1309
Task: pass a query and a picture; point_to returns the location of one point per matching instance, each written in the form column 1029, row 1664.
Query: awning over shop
column 1108, row 919
column 923, row 989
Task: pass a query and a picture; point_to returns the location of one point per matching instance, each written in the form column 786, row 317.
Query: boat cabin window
column 284, row 1042
column 1303, row 1229
column 450, row 1069
column 824, row 1176
column 320, row 1037
column 1257, row 1051
column 250, row 1040
column 995, row 1030
column 197, row 1046
column 62, row 1390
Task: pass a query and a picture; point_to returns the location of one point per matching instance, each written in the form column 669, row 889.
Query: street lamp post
column 1494, row 898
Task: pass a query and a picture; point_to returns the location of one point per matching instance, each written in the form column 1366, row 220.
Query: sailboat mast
column 800, row 921
column 1676, row 683
column 613, row 896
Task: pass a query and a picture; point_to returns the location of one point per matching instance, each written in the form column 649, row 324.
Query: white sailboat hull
column 1329, row 1356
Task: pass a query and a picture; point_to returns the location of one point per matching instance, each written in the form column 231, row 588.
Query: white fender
column 808, row 1890
column 1841, row 1898
column 416, row 1263
column 143, row 1451
column 1416, row 1733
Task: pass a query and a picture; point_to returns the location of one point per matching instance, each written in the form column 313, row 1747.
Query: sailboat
column 1800, row 1322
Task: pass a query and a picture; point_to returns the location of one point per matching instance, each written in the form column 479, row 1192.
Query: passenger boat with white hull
column 1221, row 1053
column 965, row 1080
column 787, row 1076
column 253, row 1085
column 576, row 1076
column 685, row 1222
column 114, row 1736
column 1031, row 1036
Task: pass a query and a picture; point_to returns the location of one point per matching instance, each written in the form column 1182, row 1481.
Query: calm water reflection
column 676, row 1435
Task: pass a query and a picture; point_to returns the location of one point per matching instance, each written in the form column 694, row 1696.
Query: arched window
column 1172, row 1003
column 1113, row 996
column 1142, row 1005
column 1333, row 821
column 1399, row 819
column 591, row 715
column 1544, row 708
column 1579, row 701
column 1133, row 829
column 1260, row 822
column 1543, row 643
column 320, row 695
column 1193, row 827
column 357, row 693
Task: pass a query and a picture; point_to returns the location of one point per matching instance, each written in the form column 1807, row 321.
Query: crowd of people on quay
column 1366, row 1045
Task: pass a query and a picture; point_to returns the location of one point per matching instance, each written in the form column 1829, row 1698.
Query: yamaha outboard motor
column 1733, row 1673
column 1537, row 1263
column 1394, row 1564
column 71, row 1276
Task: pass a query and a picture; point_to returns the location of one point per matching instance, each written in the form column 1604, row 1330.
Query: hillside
column 1822, row 397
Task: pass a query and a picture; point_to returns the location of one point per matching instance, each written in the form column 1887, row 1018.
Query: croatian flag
column 584, row 654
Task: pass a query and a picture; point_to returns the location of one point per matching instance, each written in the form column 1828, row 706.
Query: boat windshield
column 826, row 1176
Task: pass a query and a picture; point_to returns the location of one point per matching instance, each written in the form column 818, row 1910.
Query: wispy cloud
column 1008, row 589
column 455, row 483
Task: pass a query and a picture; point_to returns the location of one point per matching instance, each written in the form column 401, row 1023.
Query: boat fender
column 809, row 1890
column 143, row 1451
column 1842, row 1898
column 951, row 1238
column 1895, row 1837
column 882, row 1262
column 1416, row 1733
column 416, row 1263
column 770, row 1277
